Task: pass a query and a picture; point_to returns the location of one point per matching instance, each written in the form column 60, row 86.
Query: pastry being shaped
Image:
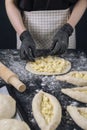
column 46, row 110
column 7, row 106
column 78, row 78
column 79, row 115
column 13, row 124
column 78, row 93
column 49, row 66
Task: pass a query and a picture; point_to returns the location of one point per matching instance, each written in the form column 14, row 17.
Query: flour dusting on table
column 49, row 84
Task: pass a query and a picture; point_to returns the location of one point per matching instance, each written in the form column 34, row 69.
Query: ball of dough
column 13, row 124
column 7, row 106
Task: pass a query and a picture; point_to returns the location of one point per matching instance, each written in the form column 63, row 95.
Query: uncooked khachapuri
column 78, row 78
column 7, row 106
column 13, row 124
column 46, row 110
column 50, row 65
column 79, row 115
column 78, row 93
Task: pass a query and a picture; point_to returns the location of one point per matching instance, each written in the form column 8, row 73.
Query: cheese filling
column 46, row 109
column 83, row 113
column 84, row 91
column 49, row 64
column 80, row 90
column 79, row 75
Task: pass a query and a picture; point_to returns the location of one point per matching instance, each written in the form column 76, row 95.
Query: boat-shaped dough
column 50, row 65
column 79, row 115
column 46, row 110
column 7, row 106
column 78, row 78
column 78, row 93
column 13, row 124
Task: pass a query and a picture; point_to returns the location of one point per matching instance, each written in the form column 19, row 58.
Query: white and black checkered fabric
column 44, row 24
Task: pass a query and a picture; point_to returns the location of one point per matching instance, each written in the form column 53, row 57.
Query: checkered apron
column 43, row 25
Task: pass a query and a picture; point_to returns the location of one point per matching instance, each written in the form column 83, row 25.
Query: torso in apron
column 43, row 25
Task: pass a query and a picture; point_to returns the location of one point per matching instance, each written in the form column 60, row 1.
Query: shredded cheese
column 83, row 113
column 79, row 75
column 49, row 64
column 46, row 109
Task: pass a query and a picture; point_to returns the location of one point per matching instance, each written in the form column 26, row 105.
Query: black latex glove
column 27, row 49
column 42, row 52
column 61, row 40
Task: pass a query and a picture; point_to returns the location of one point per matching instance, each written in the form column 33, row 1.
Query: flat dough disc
column 78, row 78
column 79, row 115
column 78, row 93
column 46, row 110
column 7, row 106
column 13, row 124
column 49, row 66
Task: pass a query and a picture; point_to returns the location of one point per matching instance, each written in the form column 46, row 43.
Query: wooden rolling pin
column 11, row 78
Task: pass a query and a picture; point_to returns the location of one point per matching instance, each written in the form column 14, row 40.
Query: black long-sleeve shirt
column 35, row 5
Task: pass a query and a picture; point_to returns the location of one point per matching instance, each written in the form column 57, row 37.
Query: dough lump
column 7, row 106
column 13, row 124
